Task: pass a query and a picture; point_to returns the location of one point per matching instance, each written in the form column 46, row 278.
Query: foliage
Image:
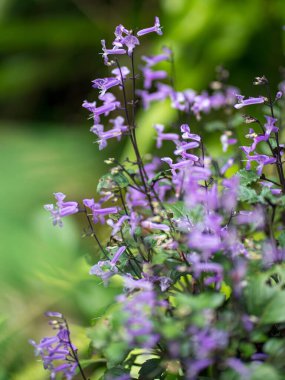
column 194, row 243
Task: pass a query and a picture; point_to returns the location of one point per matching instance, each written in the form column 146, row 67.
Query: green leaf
column 115, row 352
column 246, row 194
column 201, row 301
column 111, row 182
column 264, row 371
column 281, row 239
column 275, row 310
column 115, row 372
column 246, row 177
column 159, row 175
column 215, row 125
column 258, row 293
column 275, row 347
column 179, row 210
column 150, row 370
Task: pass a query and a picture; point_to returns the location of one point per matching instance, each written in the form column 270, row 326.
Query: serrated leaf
column 180, row 210
column 111, row 182
column 246, row 177
column 246, row 194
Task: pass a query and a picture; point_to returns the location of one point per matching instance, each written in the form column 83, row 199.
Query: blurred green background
column 49, row 55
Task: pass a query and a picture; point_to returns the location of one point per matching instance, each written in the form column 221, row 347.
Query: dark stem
column 133, row 135
column 94, row 235
column 74, row 354
column 277, row 154
column 123, row 201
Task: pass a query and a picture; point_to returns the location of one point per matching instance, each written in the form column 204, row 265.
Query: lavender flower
column 247, row 102
column 58, row 353
column 105, row 84
column 156, row 28
column 106, row 269
column 153, row 60
column 98, row 212
column 150, row 76
column 61, row 209
column 164, row 136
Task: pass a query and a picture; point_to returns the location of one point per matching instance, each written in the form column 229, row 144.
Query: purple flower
column 156, row 28
column 110, row 104
column 272, row 254
column 98, row 212
column 270, row 125
column 153, row 60
column 130, row 42
column 186, row 133
column 139, row 308
column 61, row 209
column 105, row 83
column 238, row 366
column 121, row 73
column 58, row 353
column 182, row 147
column 106, row 269
column 261, row 159
column 114, row 51
column 116, row 132
column 247, row 102
column 150, row 76
column 164, row 136
column 226, row 140
column 154, row 226
column 179, row 165
column 116, row 226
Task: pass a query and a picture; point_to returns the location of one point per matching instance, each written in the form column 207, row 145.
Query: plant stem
column 94, row 235
column 132, row 133
column 74, row 354
column 277, row 154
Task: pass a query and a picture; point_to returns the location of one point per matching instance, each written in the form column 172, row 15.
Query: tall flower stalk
column 197, row 243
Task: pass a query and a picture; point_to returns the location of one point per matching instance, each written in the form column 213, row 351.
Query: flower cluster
column 197, row 241
column 58, row 354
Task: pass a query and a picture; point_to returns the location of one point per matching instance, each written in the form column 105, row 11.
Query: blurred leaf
column 247, row 177
column 274, row 311
column 264, row 371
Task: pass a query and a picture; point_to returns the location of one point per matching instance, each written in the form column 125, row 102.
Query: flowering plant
column 197, row 242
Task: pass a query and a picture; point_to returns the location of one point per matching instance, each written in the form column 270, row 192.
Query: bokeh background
column 49, row 55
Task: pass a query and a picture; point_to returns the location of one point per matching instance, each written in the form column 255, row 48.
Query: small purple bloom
column 61, row 209
column 247, row 102
column 153, row 60
column 105, row 84
column 164, row 136
column 98, row 212
column 58, row 353
column 226, row 140
column 156, row 28
column 154, row 226
column 119, row 74
column 130, row 42
column 150, row 76
column 114, row 51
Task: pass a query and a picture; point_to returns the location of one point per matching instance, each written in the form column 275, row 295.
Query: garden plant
column 196, row 239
